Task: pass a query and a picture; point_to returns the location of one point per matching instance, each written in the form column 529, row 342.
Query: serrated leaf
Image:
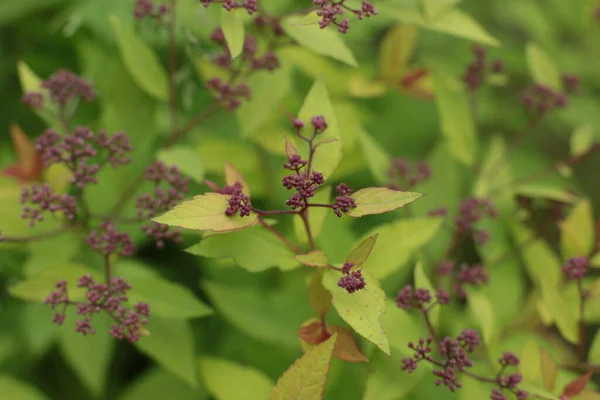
column 582, row 139
column 578, row 230
column 456, row 120
column 378, row 160
column 206, row 212
column 317, row 102
column 541, row 67
column 306, row 378
column 185, row 159
column 316, row 216
column 361, row 252
column 227, row 380
column 140, row 60
column 361, row 309
column 379, row 200
column 253, row 249
column 327, row 42
column 422, row 282
column 549, row 370
column 576, row 386
column 396, row 49
column 319, row 298
column 458, row 23
column 530, row 365
column 484, row 314
column 233, row 30
column 233, row 176
column 15, row 389
column 171, row 345
column 315, row 258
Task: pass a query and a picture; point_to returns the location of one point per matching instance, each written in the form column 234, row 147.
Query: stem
column 304, row 215
column 275, row 212
column 581, row 350
column 430, row 328
column 107, row 270
column 320, row 205
column 172, row 66
column 35, row 238
column 285, row 241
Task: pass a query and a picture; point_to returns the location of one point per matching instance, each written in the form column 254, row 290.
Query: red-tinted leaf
column 346, row 347
column 313, row 333
column 28, row 168
column 576, row 386
column 413, row 83
column 290, row 149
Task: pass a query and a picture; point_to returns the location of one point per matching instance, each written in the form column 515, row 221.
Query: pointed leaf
column 396, row 49
column 578, row 230
column 582, row 139
column 566, row 321
column 253, row 249
column 422, row 282
column 312, row 332
column 315, row 258
column 549, row 370
column 362, row 309
column 233, row 176
column 233, row 30
column 434, row 8
column 306, row 378
column 186, row 159
column 483, row 311
column 361, row 252
column 290, row 149
column 205, row 213
column 594, row 353
column 29, row 166
column 530, row 366
column 457, row 23
column 319, row 297
column 14, row 389
column 30, row 82
column 378, row 160
column 542, row 68
column 327, row 42
column 576, row 386
column 346, row 348
column 140, row 60
column 380, row 200
column 227, row 380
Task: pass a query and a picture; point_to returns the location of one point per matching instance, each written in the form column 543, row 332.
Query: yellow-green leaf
column 378, row 160
column 13, row 389
column 306, row 378
column 457, row 23
column 549, row 370
column 434, row 8
column 456, row 120
column 233, row 30
column 379, row 200
column 38, row 287
column 582, row 139
column 483, row 311
column 422, row 282
column 316, row 215
column 396, row 49
column 227, row 380
column 140, row 60
column 361, row 309
column 566, row 321
column 327, row 42
column 315, row 258
column 319, row 298
column 205, row 213
column 361, row 252
column 233, row 176
column 30, row 82
column 327, row 156
column 530, row 365
column 578, row 231
column 541, row 67
column 185, row 159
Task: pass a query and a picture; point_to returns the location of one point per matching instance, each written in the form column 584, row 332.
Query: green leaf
column 542, row 68
column 306, row 378
column 171, row 345
column 456, row 120
column 396, row 49
column 594, row 353
column 397, row 242
column 206, row 212
column 530, row 366
column 88, row 356
column 483, row 312
column 154, row 384
column 316, row 216
column 361, row 252
column 315, row 258
column 38, row 287
column 582, row 139
column 327, row 156
column 14, row 389
column 51, row 252
column 406, row 327
column 566, row 320
column 233, row 30
column 578, row 231
column 227, row 380
column 422, row 282
column 378, row 160
column 457, row 23
column 185, row 159
column 319, row 297
column 433, row 8
column 327, row 42
column 167, row 299
column 362, row 309
column 253, row 249
column 141, row 62
column 30, row 82
column 380, row 200
column 544, row 190
column 549, row 370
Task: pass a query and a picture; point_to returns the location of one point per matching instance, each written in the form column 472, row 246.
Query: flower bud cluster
column 343, row 202
column 576, row 267
column 250, row 5
column 540, row 99
column 471, row 211
column 402, row 175
column 41, row 199
column 146, row 8
column 106, row 240
column 455, row 353
column 408, row 298
column 331, row 12
column 228, row 95
column 466, row 275
column 352, row 281
column 63, row 86
column 422, row 352
column 476, row 71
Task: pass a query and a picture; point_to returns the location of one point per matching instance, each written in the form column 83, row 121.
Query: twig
column 431, row 329
column 289, row 244
column 35, row 238
column 311, row 240
column 581, row 350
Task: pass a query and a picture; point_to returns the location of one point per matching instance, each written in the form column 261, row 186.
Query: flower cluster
column 343, row 202
column 422, row 352
column 268, row 61
column 352, row 281
column 401, row 173
column 100, row 297
column 408, row 298
column 510, row 381
column 170, row 188
column 476, row 71
column 145, row 8
column 228, row 95
column 238, row 202
column 539, row 99
column 467, row 275
column 41, row 198
column 470, row 211
column 455, row 353
column 576, row 267
column 106, row 240
column 63, row 86
column 331, row 11
column 250, row 5
column 265, row 21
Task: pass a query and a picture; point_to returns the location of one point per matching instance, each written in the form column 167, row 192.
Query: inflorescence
column 352, row 281
column 477, row 71
column 331, row 12
column 404, row 177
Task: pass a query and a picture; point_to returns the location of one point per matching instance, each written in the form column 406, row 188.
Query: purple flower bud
column 34, row 100
column 352, row 281
column 576, row 267
column 509, row 359
column 319, row 123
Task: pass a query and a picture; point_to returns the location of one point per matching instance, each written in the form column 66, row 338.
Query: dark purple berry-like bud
column 498, row 66
column 319, row 123
column 34, row 100
column 352, row 281
column 45, row 200
column 239, row 203
column 571, row 82
column 576, row 267
column 344, row 26
column 408, row 298
column 442, row 296
column 64, row 86
column 498, row 395
column 106, row 240
column 509, row 359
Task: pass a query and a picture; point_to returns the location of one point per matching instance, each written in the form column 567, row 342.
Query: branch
column 275, row 212
column 285, row 241
column 311, row 240
column 36, row 238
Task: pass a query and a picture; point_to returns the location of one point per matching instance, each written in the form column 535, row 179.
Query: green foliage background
column 250, row 319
